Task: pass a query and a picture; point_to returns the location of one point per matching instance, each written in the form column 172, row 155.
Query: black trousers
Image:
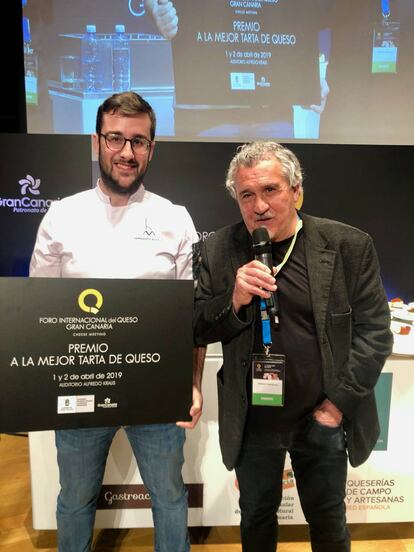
column 319, row 462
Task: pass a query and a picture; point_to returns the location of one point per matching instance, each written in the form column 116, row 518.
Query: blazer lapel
column 320, row 263
column 241, row 251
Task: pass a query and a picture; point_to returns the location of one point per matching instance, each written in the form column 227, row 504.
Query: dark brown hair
column 127, row 104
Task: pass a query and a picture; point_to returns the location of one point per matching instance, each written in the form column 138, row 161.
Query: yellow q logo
column 99, row 300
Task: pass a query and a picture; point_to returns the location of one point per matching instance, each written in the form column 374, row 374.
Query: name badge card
column 385, row 47
column 268, row 373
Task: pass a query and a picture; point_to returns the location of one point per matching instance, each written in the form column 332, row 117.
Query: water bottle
column 121, row 60
column 91, row 65
column 30, row 65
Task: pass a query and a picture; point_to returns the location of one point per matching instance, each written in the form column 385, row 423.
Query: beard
column 114, row 185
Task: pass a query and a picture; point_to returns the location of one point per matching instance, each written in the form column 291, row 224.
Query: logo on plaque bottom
column 107, row 404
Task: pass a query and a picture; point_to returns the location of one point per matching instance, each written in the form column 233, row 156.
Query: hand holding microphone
column 262, row 248
column 256, row 277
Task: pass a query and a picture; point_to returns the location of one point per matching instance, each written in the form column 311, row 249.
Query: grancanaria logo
column 29, row 183
column 98, row 300
column 26, row 203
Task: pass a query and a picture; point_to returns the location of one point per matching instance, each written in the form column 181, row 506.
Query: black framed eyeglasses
column 116, row 142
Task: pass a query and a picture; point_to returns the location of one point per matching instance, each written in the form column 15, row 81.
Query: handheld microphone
column 262, row 248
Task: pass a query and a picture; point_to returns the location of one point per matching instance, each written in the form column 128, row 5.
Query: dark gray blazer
column 351, row 316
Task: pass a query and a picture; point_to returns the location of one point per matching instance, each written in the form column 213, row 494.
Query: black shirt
column 296, row 339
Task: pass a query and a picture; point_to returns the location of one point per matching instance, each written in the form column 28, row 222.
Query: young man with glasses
column 120, row 230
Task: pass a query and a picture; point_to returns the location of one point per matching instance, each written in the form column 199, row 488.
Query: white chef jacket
column 84, row 236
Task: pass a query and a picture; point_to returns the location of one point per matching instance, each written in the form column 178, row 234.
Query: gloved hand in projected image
column 164, row 16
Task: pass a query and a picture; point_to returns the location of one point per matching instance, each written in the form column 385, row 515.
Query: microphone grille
column 260, row 236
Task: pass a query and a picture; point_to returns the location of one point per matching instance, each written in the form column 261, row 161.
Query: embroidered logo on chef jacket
column 148, row 233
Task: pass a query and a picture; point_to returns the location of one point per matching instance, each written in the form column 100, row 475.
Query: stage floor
column 17, row 535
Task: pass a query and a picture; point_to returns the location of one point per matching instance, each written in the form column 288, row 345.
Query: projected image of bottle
column 30, row 65
column 121, row 60
column 91, row 65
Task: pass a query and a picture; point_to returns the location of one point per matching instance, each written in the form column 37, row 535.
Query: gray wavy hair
column 248, row 155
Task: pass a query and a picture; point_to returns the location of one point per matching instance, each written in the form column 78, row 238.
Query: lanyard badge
column 268, row 373
column 268, row 370
column 385, row 42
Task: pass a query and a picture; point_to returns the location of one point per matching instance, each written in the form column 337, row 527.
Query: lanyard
column 265, row 320
column 385, row 8
column 266, row 331
column 299, row 225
